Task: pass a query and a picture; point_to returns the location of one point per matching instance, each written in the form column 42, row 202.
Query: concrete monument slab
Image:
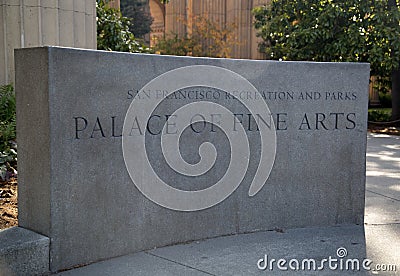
column 120, row 152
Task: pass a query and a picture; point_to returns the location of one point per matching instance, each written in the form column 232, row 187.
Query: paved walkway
column 378, row 240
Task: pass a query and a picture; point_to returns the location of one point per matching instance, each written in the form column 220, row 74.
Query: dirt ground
column 9, row 190
column 8, row 204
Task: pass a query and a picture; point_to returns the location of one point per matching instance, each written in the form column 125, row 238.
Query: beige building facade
column 31, row 23
column 170, row 18
column 72, row 23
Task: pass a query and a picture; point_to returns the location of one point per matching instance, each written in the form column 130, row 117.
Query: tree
column 332, row 30
column 138, row 13
column 207, row 38
column 113, row 31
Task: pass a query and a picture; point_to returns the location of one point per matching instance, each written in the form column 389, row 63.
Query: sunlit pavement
column 382, row 206
column 378, row 240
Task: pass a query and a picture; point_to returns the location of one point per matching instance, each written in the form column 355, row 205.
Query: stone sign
column 120, row 153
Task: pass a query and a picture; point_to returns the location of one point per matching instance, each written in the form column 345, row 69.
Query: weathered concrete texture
column 34, row 200
column 381, row 209
column 75, row 188
column 383, row 243
column 237, row 255
column 136, row 264
column 382, row 205
column 23, row 252
column 383, row 159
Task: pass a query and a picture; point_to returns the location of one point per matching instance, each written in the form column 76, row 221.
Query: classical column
column 157, row 11
column 116, row 4
column 223, row 12
column 31, row 23
column 175, row 17
column 235, row 14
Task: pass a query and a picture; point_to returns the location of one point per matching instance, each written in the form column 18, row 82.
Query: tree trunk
column 395, row 79
column 396, row 95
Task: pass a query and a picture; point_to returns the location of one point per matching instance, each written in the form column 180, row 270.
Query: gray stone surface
column 382, row 205
column 75, row 187
column 239, row 254
column 383, row 160
column 222, row 256
column 34, row 200
column 136, row 264
column 236, row 255
column 381, row 209
column 383, row 243
column 23, row 252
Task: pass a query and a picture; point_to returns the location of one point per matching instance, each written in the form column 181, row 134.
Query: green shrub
column 8, row 146
column 379, row 115
column 385, row 99
column 174, row 45
column 207, row 39
column 113, row 32
column 8, row 163
column 383, row 85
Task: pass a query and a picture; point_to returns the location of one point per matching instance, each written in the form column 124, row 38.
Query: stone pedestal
column 95, row 179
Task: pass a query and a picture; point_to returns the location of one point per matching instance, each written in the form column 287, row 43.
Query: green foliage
column 8, row 162
column 383, row 85
column 138, row 13
column 207, row 38
column 385, row 99
column 113, row 32
column 7, row 115
column 175, row 45
column 331, row 30
column 8, row 147
column 379, row 115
